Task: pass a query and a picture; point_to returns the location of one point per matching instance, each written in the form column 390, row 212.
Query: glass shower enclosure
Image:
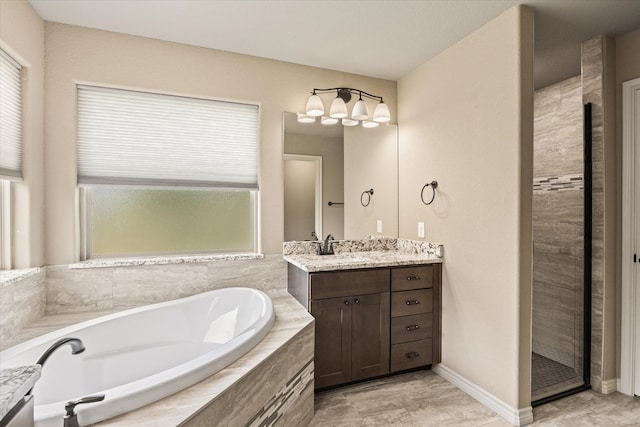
column 561, row 242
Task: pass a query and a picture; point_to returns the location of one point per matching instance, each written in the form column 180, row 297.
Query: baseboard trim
column 609, row 386
column 518, row 417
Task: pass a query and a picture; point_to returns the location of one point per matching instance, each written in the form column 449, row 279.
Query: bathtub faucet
column 77, row 346
column 71, row 418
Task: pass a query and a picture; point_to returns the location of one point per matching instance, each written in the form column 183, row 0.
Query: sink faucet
column 77, row 346
column 328, row 248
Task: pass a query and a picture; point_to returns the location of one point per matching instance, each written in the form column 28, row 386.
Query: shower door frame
column 630, row 334
column 587, row 263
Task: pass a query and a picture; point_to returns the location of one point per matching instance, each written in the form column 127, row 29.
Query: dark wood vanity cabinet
column 415, row 317
column 352, row 336
column 370, row 322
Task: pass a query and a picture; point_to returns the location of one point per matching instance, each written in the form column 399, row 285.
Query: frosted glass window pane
column 144, row 221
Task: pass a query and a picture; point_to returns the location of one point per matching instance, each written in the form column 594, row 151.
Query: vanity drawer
column 348, row 283
column 411, row 328
column 407, row 278
column 410, row 355
column 411, row 302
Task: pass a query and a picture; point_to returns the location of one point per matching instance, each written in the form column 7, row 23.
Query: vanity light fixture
column 305, row 118
column 328, row 120
column 349, row 122
column 338, row 110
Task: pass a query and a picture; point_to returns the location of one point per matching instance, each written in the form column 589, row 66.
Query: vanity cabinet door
column 332, row 341
column 370, row 336
column 352, row 338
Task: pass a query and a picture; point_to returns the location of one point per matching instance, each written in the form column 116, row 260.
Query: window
column 10, row 147
column 165, row 174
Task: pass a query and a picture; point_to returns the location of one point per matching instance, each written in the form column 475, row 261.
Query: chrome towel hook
column 369, row 194
column 433, row 185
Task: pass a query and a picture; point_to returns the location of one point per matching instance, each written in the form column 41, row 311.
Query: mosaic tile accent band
column 278, row 405
column 568, row 182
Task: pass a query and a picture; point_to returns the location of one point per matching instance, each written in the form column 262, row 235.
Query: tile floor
column 424, row 399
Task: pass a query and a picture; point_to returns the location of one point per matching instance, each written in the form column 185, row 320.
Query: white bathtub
column 138, row 356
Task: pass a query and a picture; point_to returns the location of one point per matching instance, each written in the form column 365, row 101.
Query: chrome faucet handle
column 71, row 418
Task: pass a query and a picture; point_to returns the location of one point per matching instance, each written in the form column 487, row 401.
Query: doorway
column 302, row 197
column 630, row 345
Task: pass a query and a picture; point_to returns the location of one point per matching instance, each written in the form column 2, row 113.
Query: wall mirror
column 329, row 171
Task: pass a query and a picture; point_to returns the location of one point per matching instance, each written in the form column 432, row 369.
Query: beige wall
column 466, row 120
column 627, row 64
column 77, row 54
column 22, row 36
column 372, row 159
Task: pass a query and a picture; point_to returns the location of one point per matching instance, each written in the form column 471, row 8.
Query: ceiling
column 383, row 38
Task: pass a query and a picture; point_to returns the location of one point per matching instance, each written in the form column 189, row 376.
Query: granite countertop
column 14, row 385
column 355, row 260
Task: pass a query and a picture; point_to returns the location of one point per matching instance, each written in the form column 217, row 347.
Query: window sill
column 8, row 277
column 162, row 260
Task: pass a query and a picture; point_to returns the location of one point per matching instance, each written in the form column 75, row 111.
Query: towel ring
column 369, row 193
column 433, row 185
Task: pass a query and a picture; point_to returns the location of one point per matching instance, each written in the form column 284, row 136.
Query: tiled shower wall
column 558, row 225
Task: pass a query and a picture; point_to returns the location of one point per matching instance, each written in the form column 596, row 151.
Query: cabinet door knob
column 412, row 328
column 414, row 302
column 413, row 278
column 412, row 355
column 346, row 302
column 356, row 301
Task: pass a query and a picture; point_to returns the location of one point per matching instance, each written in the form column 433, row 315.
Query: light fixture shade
column 349, row 122
column 381, row 114
column 328, row 120
column 338, row 109
column 305, row 118
column 315, row 106
column 360, row 111
column 368, row 124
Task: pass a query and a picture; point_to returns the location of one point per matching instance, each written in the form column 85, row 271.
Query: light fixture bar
column 343, row 90
column 338, row 109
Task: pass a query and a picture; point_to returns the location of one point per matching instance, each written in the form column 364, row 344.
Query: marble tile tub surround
column 75, row 288
column 14, row 385
column 254, row 384
column 22, row 299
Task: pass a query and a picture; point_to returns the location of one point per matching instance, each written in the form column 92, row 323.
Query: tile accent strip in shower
column 569, row 182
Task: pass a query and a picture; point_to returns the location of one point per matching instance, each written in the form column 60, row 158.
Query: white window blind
column 10, row 118
column 145, row 139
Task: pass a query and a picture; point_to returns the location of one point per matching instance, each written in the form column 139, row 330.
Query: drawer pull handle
column 412, row 355
column 413, row 278
column 414, row 302
column 346, row 302
column 356, row 301
column 412, row 328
